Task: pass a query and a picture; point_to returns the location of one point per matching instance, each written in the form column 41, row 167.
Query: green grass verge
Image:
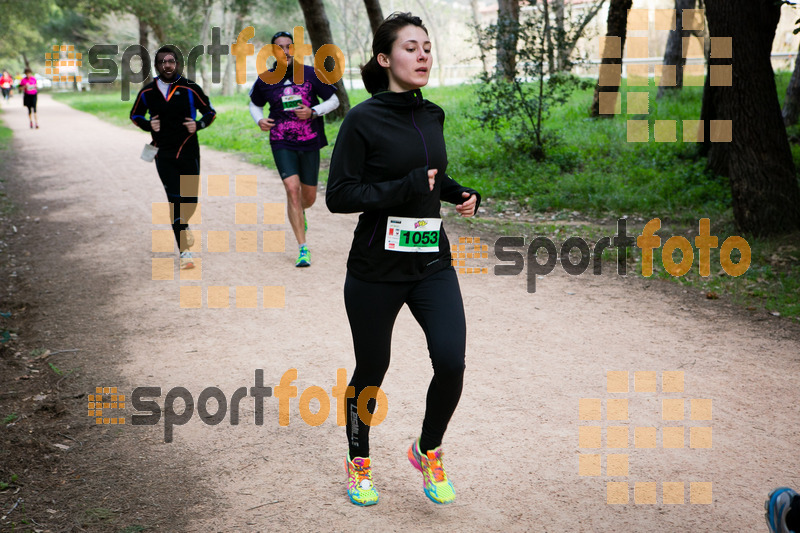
column 770, row 284
column 5, row 135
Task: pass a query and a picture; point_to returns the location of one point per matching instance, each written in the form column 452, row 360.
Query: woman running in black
column 389, row 163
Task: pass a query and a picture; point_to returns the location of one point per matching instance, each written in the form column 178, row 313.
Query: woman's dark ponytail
column 372, row 74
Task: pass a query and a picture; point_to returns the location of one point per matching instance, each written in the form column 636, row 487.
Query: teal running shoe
column 304, row 259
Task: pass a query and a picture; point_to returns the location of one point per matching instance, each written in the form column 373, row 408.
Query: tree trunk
column 571, row 35
column 507, row 31
column 434, row 33
column 476, row 22
column 143, row 34
column 319, row 31
column 228, row 27
column 765, row 193
column 673, row 55
column 560, row 37
column 617, row 26
column 202, row 61
column 374, row 13
column 791, row 104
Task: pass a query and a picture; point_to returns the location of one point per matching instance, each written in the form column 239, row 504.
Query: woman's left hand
column 467, row 209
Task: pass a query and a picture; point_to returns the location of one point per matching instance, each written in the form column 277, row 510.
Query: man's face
column 288, row 48
column 167, row 67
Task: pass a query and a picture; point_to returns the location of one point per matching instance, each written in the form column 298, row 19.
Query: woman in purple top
column 296, row 133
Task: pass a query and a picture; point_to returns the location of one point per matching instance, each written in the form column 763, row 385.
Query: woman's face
column 409, row 64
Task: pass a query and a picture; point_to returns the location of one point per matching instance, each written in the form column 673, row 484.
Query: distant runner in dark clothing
column 172, row 102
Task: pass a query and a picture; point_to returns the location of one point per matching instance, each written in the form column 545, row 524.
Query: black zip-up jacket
column 379, row 167
column 183, row 98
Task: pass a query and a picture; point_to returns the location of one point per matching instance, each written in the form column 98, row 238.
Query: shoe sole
column 413, row 460
column 360, row 504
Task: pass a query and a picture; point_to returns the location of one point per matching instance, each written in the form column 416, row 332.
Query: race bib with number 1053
column 412, row 234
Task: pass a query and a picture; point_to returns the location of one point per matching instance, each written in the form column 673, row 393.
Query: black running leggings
column 170, row 170
column 372, row 309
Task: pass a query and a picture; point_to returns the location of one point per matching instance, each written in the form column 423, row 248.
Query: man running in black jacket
column 172, row 102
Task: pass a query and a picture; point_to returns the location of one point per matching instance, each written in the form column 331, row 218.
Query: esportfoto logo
column 148, row 411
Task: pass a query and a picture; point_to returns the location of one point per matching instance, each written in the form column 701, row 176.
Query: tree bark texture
column 507, row 34
column 791, row 104
column 143, row 34
column 143, row 42
column 569, row 34
column 673, row 55
column 319, row 31
column 765, row 192
column 617, row 26
column 374, row 13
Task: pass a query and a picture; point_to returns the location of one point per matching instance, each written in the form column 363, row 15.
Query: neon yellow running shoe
column 434, row 479
column 359, row 481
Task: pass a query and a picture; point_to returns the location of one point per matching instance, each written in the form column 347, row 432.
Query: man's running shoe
column 304, row 259
column 187, row 261
column 359, row 481
column 434, row 479
column 777, row 506
column 305, row 221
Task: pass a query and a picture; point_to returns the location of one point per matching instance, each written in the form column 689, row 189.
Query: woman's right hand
column 155, row 123
column 432, row 178
column 266, row 124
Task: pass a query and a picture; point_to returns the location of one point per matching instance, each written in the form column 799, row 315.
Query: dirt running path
column 513, row 445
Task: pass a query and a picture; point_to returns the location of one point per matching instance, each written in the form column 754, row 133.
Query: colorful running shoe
column 305, row 221
column 359, row 481
column 304, row 259
column 434, row 479
column 777, row 506
column 187, row 261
